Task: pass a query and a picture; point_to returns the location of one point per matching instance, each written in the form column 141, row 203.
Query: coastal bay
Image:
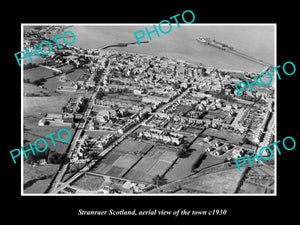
column 256, row 40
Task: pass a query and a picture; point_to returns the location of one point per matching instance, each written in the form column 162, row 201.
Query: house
column 217, row 144
column 219, row 152
column 236, row 153
column 209, row 149
column 207, row 139
column 42, row 122
column 227, row 147
column 265, row 153
column 90, row 83
column 67, row 117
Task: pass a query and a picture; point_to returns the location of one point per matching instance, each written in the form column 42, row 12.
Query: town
column 143, row 124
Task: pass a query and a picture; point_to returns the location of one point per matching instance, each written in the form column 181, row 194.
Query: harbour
column 121, row 44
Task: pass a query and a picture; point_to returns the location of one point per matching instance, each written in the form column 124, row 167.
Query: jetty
column 121, row 44
column 227, row 48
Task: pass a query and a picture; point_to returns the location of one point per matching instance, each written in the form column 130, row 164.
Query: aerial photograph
column 159, row 116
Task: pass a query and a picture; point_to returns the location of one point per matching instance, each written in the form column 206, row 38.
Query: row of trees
column 29, row 66
column 51, row 157
column 198, row 162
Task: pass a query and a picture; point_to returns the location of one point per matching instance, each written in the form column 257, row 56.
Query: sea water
column 180, row 43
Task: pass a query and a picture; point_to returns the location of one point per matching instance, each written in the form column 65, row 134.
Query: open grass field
column 39, row 171
column 89, row 182
column 39, row 187
column 156, row 162
column 159, row 168
column 138, row 175
column 75, row 74
column 36, row 105
column 36, row 179
column 34, row 109
column 131, row 146
column 35, row 60
column 145, row 164
column 37, row 73
column 168, row 156
column 111, row 157
column 40, row 132
column 116, row 171
column 106, row 163
column 102, row 168
column 30, row 88
column 126, row 161
column 52, row 82
column 219, row 182
column 156, row 152
column 121, row 162
column 115, row 164
column 248, row 187
column 182, row 167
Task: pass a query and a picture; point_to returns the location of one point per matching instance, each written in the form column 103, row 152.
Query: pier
column 224, row 47
column 121, row 44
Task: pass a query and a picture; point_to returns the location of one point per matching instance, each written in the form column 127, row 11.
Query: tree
column 158, row 180
column 64, row 108
column 197, row 163
column 180, row 153
column 55, row 157
column 183, row 151
column 99, row 95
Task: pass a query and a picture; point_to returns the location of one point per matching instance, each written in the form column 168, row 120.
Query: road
column 58, row 178
column 94, row 161
column 58, row 185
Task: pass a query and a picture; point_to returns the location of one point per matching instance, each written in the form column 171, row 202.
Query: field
column 36, row 180
column 123, row 162
column 75, row 74
column 30, row 88
column 89, row 182
column 133, row 146
column 251, row 188
column 52, row 82
column 183, row 165
column 115, row 164
column 37, row 73
column 32, row 175
column 37, row 105
column 219, row 182
column 156, row 162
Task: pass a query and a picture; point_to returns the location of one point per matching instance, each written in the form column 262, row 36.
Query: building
column 257, row 137
column 236, row 153
column 209, row 149
column 161, row 135
column 67, row 117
